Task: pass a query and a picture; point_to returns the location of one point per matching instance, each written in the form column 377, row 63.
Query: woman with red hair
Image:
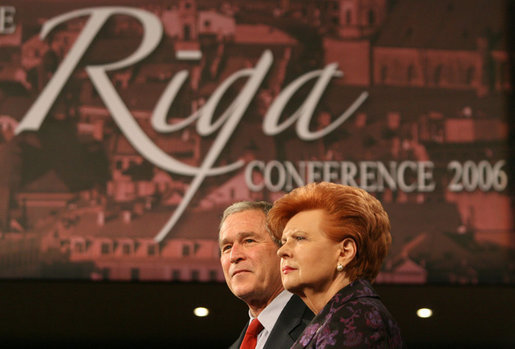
column 334, row 239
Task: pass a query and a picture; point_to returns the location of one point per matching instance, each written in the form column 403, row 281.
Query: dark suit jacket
column 290, row 324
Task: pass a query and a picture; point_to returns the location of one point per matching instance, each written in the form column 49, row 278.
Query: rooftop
column 261, row 34
column 452, row 24
column 147, row 225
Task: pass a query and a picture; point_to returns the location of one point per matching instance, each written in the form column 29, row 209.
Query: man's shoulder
column 294, row 317
column 297, row 306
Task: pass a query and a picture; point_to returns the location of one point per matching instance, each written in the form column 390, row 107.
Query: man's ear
column 348, row 251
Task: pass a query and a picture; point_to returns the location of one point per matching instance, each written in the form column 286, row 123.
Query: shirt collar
column 268, row 316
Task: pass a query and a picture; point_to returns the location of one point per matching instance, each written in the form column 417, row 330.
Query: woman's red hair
column 351, row 213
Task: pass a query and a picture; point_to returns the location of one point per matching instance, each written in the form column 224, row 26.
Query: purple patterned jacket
column 354, row 318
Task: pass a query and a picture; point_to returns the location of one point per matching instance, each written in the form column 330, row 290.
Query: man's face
column 249, row 257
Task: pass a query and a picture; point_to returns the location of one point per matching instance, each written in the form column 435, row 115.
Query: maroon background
column 159, row 314
column 78, row 201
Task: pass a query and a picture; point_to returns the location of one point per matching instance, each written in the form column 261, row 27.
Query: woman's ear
column 348, row 251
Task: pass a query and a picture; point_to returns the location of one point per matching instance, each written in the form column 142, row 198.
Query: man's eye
column 226, row 248
column 249, row 240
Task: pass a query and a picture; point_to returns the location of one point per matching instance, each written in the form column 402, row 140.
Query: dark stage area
column 158, row 315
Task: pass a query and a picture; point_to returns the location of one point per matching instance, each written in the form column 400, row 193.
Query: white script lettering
column 225, row 124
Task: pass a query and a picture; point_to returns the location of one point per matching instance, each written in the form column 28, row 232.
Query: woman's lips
column 287, row 269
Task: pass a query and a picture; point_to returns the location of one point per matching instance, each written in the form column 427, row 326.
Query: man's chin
column 242, row 291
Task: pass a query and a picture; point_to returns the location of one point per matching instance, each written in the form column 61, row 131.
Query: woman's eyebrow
column 293, row 231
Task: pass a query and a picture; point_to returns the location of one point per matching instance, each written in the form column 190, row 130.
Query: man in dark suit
column 252, row 272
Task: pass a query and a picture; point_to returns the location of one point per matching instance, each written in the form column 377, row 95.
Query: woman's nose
column 283, row 251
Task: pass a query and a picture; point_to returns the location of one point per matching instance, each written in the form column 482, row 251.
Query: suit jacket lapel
column 290, row 324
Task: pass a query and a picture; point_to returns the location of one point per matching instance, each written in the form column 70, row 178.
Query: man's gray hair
column 241, row 206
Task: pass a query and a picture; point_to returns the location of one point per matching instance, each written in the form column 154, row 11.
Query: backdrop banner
column 125, row 130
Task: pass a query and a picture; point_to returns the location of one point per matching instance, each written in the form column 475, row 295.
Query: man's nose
column 237, row 253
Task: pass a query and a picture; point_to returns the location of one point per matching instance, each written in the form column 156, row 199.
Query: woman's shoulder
column 361, row 321
column 354, row 318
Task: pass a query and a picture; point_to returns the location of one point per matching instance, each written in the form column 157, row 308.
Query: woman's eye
column 298, row 238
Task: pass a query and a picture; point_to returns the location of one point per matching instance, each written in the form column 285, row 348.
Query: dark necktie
column 250, row 339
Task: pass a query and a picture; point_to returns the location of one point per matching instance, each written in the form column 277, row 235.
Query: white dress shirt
column 268, row 317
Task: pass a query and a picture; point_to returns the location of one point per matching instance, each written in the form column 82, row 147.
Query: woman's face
column 308, row 257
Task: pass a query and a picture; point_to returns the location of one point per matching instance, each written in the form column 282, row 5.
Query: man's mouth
column 240, row 272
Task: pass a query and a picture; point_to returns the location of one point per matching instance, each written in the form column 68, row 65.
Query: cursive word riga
column 226, row 123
